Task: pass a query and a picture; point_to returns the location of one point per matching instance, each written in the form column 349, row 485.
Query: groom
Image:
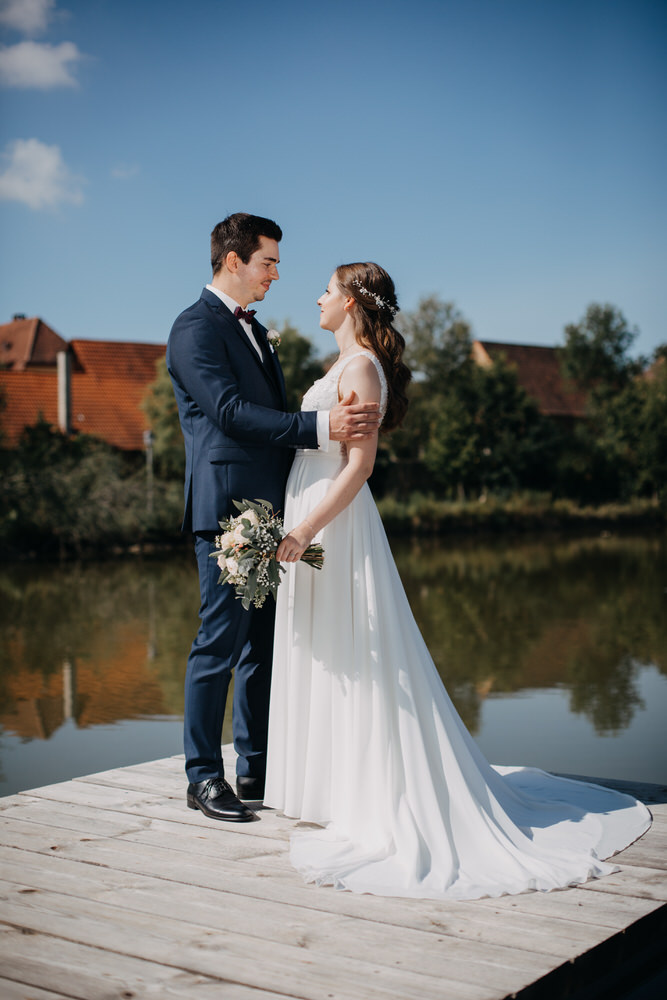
column 239, row 443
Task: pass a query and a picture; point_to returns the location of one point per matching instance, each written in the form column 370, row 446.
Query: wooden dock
column 112, row 888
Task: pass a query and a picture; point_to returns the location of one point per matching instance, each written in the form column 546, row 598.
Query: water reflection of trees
column 581, row 614
column 104, row 642
column 109, row 641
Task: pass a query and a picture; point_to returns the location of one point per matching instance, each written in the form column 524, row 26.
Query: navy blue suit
column 239, row 444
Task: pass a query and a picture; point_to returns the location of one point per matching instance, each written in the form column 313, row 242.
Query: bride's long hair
column 373, row 290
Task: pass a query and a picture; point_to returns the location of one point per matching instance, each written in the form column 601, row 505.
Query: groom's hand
column 349, row 421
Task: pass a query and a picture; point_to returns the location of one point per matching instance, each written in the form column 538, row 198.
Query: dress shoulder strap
column 379, row 369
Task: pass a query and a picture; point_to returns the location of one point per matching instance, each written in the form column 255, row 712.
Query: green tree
column 159, row 405
column 620, row 451
column 486, row 434
column 595, row 355
column 469, row 429
column 438, row 339
column 633, row 431
column 438, row 343
column 74, row 494
column 652, row 438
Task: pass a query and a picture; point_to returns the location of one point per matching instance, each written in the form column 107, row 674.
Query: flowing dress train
column 365, row 742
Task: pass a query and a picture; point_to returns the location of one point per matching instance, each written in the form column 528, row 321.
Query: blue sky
column 508, row 155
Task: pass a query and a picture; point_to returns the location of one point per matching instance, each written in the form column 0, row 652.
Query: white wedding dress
column 365, row 742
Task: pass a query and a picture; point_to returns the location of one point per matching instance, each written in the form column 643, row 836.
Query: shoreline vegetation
column 418, row 517
column 476, row 454
column 523, row 512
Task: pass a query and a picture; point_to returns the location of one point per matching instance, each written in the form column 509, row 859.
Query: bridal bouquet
column 247, row 552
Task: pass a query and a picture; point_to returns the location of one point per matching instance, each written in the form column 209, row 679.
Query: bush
column 428, row 515
column 69, row 495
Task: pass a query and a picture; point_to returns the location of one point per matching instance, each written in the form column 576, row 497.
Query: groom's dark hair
column 240, row 232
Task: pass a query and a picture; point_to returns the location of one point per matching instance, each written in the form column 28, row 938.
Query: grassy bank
column 116, row 522
column 427, row 515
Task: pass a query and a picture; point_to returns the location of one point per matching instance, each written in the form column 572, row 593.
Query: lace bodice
column 323, row 394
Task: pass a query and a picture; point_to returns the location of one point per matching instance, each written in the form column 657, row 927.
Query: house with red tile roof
column 28, row 343
column 108, row 389
column 538, row 371
column 108, row 380
column 106, row 383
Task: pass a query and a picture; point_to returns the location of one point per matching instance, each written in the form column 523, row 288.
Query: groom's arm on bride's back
column 353, row 419
column 199, row 364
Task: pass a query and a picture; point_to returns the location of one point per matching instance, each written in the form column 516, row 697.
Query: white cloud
column 123, row 171
column 38, row 176
column 27, row 16
column 31, row 64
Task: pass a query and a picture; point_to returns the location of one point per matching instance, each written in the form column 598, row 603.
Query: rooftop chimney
column 64, row 392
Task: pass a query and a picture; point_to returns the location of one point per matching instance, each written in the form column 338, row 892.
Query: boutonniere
column 273, row 338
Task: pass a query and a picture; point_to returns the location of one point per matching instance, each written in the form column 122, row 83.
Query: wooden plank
column 176, row 944
column 611, row 910
column 642, row 883
column 142, row 780
column 147, row 804
column 99, row 862
column 286, row 886
column 213, row 840
column 256, row 881
column 649, row 852
column 281, row 925
column 68, row 816
column 140, row 802
column 82, row 973
column 10, row 990
column 546, row 935
column 94, row 794
column 378, row 941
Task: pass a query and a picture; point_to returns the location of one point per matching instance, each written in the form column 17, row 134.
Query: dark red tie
column 246, row 314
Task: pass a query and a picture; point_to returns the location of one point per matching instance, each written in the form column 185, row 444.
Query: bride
column 363, row 738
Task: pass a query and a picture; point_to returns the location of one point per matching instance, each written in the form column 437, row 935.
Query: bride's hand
column 295, row 543
column 350, row 421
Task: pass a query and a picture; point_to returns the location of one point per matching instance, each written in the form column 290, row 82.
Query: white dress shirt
column 229, row 302
column 322, row 415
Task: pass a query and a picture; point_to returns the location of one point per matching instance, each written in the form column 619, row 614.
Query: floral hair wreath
column 379, row 301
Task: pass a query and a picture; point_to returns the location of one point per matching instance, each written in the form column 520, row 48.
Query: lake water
column 553, row 651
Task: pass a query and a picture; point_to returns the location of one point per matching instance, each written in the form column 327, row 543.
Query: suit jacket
column 239, row 441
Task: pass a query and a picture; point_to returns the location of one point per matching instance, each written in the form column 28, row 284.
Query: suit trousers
column 229, row 638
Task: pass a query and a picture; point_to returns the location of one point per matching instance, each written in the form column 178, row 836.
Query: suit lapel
column 268, row 363
column 275, row 364
column 270, row 358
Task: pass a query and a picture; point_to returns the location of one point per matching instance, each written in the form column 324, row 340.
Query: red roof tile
column 538, row 371
column 26, row 395
column 118, row 359
column 108, row 382
column 25, row 343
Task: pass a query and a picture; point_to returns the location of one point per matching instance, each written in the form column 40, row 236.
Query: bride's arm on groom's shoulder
column 360, row 378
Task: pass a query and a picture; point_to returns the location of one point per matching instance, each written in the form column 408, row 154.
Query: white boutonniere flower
column 273, row 338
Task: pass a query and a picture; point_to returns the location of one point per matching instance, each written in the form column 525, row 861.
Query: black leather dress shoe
column 216, row 800
column 249, row 788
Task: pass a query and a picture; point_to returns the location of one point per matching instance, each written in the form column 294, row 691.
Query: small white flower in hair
column 379, row 301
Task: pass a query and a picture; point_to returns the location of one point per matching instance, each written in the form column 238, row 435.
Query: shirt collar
column 227, row 299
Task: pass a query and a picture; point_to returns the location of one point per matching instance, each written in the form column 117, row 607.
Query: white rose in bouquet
column 231, row 565
column 249, row 563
